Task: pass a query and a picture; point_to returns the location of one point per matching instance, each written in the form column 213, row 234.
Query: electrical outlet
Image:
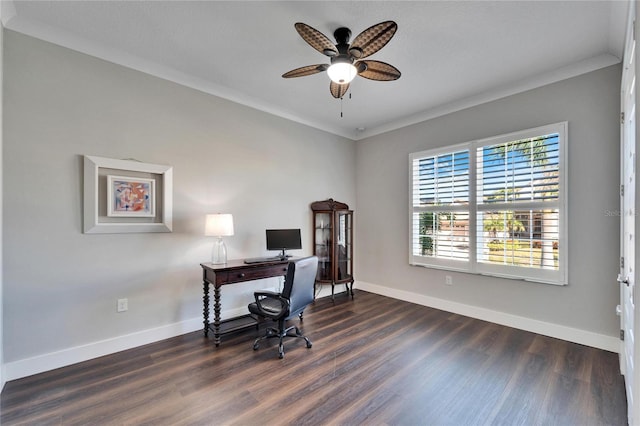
column 123, row 305
column 448, row 280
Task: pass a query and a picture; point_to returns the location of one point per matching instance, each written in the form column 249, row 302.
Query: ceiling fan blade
column 379, row 71
column 372, row 39
column 316, row 39
column 304, row 71
column 338, row 90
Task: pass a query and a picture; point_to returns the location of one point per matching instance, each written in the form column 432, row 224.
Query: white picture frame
column 96, row 196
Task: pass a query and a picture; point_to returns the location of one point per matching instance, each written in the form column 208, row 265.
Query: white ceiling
column 452, row 54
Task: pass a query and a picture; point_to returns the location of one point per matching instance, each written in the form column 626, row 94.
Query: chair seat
column 269, row 306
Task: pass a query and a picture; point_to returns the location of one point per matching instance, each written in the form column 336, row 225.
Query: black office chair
column 296, row 295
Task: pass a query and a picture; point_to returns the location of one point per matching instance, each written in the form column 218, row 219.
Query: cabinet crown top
column 329, row 204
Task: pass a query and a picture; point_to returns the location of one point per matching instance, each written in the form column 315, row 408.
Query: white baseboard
column 50, row 361
column 38, row 364
column 583, row 337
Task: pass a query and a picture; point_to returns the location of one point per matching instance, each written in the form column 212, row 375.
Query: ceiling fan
column 347, row 59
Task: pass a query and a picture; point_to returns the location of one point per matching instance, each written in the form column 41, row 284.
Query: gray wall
column 60, row 285
column 590, row 103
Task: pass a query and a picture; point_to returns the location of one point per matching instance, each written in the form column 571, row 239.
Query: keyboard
column 262, row 259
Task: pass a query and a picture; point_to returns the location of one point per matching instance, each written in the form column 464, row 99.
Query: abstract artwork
column 130, row 197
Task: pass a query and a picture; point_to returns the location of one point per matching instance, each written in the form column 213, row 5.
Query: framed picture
column 126, row 196
column 130, row 197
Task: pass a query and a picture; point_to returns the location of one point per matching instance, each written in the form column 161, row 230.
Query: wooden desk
column 234, row 271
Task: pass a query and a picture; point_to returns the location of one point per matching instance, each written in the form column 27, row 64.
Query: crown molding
column 574, row 70
column 70, row 41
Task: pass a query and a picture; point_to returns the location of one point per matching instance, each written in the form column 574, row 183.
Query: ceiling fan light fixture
column 342, row 72
column 347, row 58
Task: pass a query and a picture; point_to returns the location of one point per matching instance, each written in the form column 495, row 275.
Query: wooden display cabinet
column 333, row 243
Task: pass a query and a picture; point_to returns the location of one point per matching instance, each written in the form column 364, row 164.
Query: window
column 496, row 206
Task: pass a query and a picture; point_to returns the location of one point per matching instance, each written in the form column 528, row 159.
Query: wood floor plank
column 608, row 396
column 374, row 360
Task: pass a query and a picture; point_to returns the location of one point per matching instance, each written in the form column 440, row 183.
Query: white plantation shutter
column 441, row 207
column 443, row 179
column 495, row 206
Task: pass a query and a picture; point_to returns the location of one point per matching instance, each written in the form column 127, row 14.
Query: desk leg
column 205, row 310
column 216, row 315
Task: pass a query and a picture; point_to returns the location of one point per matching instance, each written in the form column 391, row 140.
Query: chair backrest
column 299, row 284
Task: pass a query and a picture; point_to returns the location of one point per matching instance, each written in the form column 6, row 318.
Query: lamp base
column 219, row 253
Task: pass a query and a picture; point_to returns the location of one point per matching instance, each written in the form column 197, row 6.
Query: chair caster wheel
column 281, row 355
column 309, row 345
column 255, row 346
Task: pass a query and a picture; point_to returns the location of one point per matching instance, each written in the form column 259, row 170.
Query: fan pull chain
column 341, row 99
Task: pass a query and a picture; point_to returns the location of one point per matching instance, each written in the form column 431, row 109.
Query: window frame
column 474, row 206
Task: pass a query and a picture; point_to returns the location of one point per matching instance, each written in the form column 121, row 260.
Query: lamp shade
column 219, row 225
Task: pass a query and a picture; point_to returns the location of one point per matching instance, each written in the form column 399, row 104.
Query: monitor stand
column 284, row 255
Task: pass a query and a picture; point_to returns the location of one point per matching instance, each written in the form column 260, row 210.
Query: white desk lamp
column 219, row 225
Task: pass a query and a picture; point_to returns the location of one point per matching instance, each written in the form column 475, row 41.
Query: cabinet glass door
column 324, row 243
column 344, row 245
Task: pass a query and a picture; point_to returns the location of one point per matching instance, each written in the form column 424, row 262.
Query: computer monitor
column 283, row 239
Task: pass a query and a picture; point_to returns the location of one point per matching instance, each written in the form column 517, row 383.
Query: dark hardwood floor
column 374, row 360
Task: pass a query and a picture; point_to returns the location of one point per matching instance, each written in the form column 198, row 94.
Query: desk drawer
column 246, row 273
column 255, row 273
